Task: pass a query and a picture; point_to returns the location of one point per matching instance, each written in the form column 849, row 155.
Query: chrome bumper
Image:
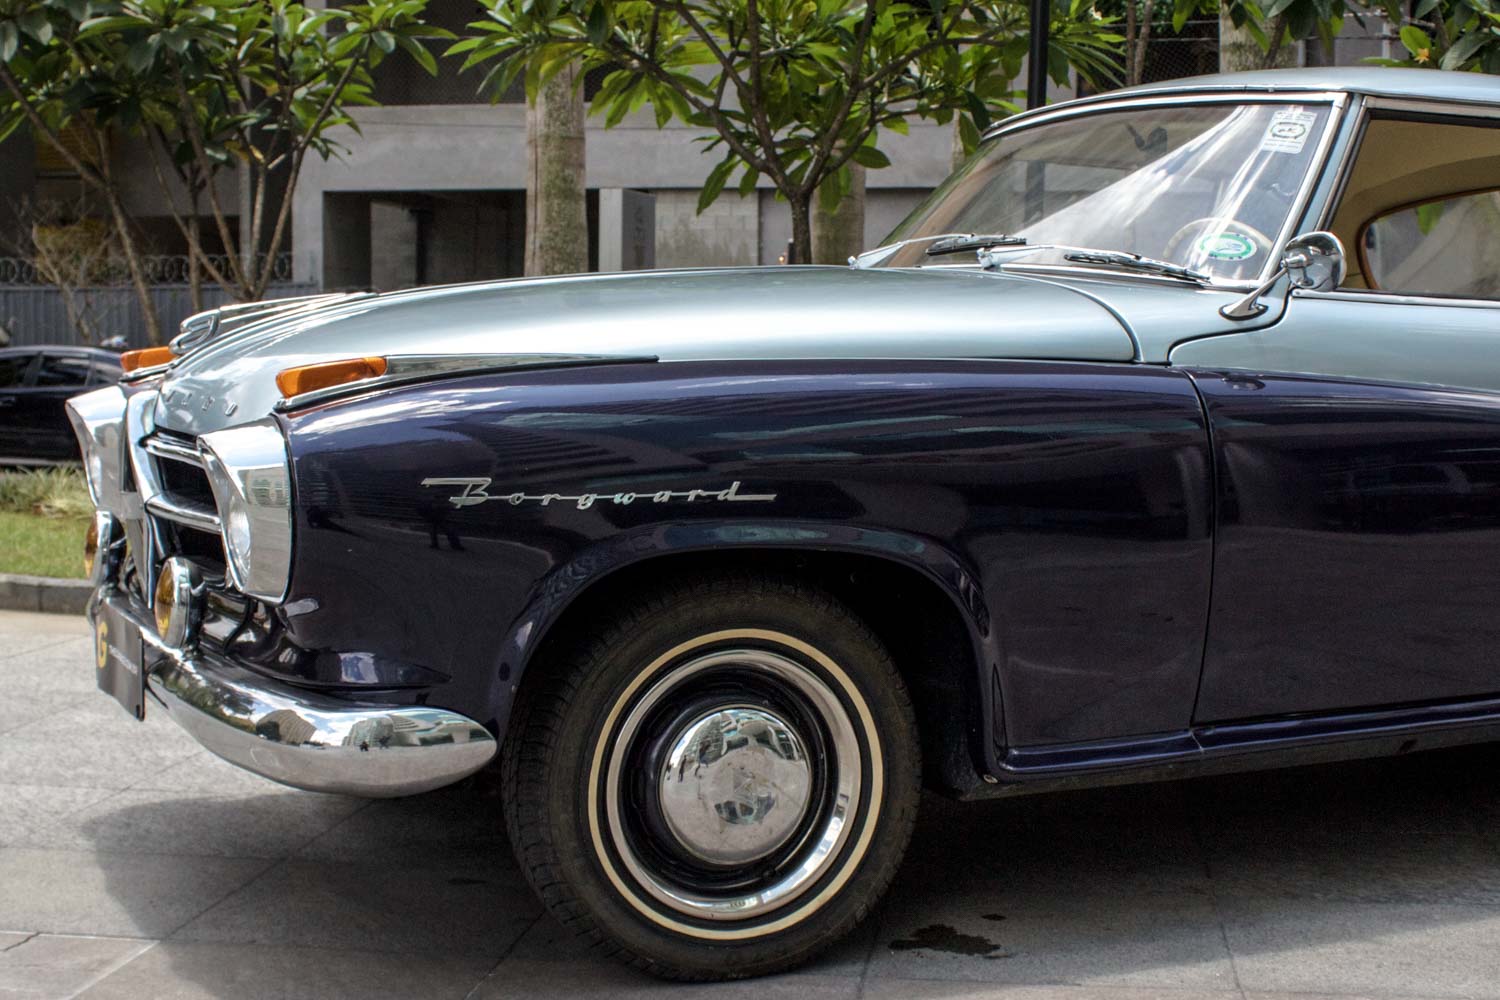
column 301, row 738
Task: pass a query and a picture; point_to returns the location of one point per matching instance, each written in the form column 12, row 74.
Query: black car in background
column 35, row 382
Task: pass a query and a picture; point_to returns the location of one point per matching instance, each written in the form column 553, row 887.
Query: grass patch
column 41, row 546
column 44, row 514
column 56, row 492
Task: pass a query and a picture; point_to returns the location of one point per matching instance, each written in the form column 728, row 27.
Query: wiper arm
column 974, row 241
column 1135, row 262
column 881, row 254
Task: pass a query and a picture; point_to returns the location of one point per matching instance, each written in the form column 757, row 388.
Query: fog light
column 174, row 603
column 99, row 548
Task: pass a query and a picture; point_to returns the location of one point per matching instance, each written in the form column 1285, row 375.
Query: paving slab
column 38, row 815
column 270, row 824
column 1315, row 946
column 423, row 907
column 1160, row 940
column 178, row 970
column 129, row 895
column 933, row 989
column 57, row 966
column 1376, row 880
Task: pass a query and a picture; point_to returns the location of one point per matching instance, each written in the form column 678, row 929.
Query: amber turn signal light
column 326, row 374
column 146, row 357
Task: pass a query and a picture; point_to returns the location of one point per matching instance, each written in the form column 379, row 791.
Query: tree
column 557, row 228
column 211, row 85
column 795, row 91
column 1447, row 34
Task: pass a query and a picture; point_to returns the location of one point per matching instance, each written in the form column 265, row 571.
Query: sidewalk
column 132, row 864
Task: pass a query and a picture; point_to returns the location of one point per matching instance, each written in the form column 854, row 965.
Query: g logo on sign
column 101, row 643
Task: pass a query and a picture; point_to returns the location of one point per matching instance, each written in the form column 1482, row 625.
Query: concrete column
column 346, row 241
column 627, row 230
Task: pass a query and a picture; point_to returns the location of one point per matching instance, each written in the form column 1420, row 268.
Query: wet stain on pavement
column 941, row 937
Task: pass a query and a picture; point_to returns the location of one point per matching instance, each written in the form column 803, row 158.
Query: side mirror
column 1314, row 261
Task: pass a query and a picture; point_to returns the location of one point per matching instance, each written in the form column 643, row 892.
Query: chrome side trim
column 304, row 739
column 1397, row 298
column 1433, row 106
column 201, row 518
column 402, row 369
column 1088, row 106
column 164, row 448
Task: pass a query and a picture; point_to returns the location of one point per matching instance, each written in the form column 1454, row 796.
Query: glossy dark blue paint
column 1358, row 539
column 1065, row 509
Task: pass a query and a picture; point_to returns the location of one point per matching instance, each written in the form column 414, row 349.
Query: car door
column 15, row 366
column 57, row 377
column 1357, row 449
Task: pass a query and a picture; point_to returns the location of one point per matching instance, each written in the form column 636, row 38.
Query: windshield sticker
column 1288, row 131
column 1228, row 246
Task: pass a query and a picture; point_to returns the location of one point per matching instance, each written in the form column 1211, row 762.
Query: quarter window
column 1449, row 246
column 59, row 370
column 12, row 371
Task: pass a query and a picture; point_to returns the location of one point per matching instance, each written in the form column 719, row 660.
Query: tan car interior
column 1401, row 163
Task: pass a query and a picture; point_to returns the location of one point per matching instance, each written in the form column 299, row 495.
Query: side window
column 1420, row 212
column 1448, row 246
column 13, row 370
column 103, row 374
column 62, row 370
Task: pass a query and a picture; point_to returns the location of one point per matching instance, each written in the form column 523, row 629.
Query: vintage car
column 1163, row 438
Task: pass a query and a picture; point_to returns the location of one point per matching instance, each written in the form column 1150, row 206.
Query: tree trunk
column 1239, row 51
column 840, row 234
column 138, row 276
column 557, row 228
column 801, row 206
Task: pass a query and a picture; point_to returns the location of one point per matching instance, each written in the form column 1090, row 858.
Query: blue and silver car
column 1163, row 438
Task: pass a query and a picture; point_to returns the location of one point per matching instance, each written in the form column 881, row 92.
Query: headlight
column 101, row 548
column 98, row 419
column 251, row 477
column 175, row 603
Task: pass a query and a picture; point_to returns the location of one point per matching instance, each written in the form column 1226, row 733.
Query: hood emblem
column 476, row 491
column 184, row 398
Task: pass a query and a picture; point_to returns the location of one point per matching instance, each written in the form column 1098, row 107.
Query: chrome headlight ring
column 250, row 472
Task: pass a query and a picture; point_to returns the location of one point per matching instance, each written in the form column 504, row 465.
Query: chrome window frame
column 1399, row 106
column 1337, row 100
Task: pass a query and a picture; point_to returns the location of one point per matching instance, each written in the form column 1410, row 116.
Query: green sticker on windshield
column 1228, row 246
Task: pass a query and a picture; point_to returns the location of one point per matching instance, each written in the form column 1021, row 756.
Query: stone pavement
column 133, row 864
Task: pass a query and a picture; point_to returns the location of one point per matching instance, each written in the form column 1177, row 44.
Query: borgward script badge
column 476, row 491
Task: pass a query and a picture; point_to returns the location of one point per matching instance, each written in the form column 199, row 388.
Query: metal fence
column 35, row 314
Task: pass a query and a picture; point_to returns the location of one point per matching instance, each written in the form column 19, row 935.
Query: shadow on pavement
column 1308, row 879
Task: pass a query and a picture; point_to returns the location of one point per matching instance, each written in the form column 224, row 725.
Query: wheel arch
column 928, row 613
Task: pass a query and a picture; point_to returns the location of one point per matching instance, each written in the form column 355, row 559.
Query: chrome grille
column 181, row 501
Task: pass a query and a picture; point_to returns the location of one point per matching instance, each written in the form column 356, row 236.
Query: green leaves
column 800, row 90
column 715, row 182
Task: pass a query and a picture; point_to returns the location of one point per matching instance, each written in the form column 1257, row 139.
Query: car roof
column 1375, row 81
column 76, row 350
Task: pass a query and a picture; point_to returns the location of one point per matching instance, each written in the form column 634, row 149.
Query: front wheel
column 720, row 783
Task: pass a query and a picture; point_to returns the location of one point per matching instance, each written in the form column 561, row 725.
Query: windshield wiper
column 974, row 241
column 1135, row 262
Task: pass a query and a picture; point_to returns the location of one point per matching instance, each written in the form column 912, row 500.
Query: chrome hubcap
column 736, row 785
column 730, row 786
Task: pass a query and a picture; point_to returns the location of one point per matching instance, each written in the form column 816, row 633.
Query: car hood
column 721, row 314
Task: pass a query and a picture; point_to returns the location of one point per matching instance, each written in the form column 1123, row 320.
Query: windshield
column 1206, row 186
